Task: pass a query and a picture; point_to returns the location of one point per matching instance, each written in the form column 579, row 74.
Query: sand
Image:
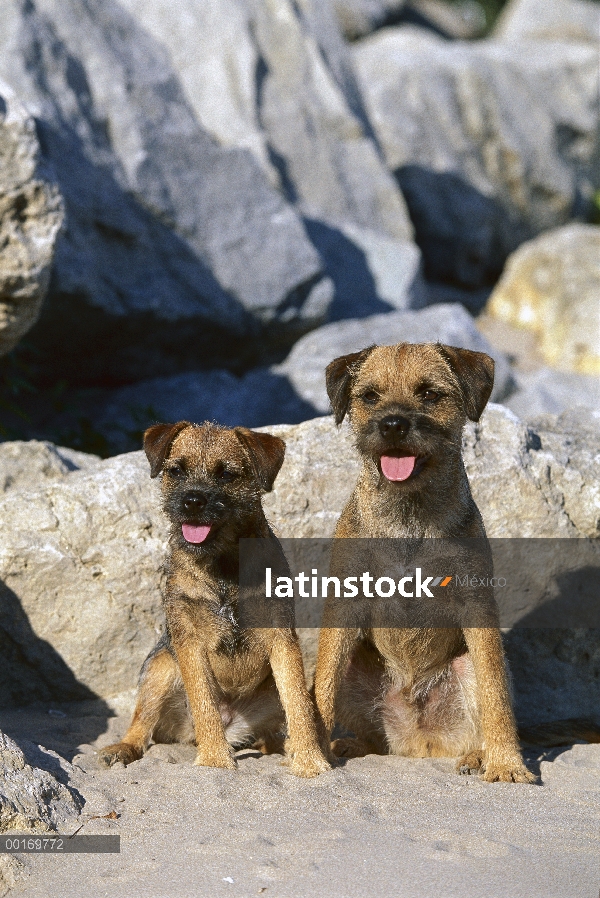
column 377, row 826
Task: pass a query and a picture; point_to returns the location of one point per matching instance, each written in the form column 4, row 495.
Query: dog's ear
column 158, row 440
column 475, row 373
column 266, row 454
column 338, row 378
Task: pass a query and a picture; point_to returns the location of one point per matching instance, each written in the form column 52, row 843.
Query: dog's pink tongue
column 397, row 468
column 195, row 534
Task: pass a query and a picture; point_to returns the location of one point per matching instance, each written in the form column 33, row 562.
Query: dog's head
column 212, row 480
column 408, row 403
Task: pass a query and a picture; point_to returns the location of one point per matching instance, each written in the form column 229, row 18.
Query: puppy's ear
column 266, row 454
column 158, row 440
column 475, row 373
column 338, row 378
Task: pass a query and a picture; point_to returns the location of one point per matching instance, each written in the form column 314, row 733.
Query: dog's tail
column 560, row 732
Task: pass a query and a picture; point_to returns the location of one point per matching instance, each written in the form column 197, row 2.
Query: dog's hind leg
column 160, row 683
column 358, row 706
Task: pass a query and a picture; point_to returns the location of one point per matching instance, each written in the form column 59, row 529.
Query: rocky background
column 202, row 204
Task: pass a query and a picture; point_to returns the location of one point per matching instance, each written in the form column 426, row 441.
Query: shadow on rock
column 32, row 671
column 346, row 264
column 465, row 237
column 259, row 399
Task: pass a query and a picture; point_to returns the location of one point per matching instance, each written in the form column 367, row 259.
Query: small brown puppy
column 422, row 691
column 209, row 680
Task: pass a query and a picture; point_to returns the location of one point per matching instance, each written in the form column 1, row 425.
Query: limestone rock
column 31, row 799
column 545, row 391
column 550, row 20
column 81, row 556
column 446, row 323
column 288, row 393
column 492, row 142
column 175, row 246
column 81, row 560
column 358, row 18
column 277, row 79
column 31, row 214
column 289, row 92
column 551, row 286
column 25, row 465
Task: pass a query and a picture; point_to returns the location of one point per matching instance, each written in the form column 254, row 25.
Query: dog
column 419, row 692
column 208, row 679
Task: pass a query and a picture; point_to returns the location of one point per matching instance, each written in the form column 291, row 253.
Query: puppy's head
column 408, row 403
column 212, row 480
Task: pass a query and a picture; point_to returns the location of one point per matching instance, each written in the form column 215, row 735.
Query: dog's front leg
column 503, row 761
column 213, row 750
column 335, row 646
column 302, row 744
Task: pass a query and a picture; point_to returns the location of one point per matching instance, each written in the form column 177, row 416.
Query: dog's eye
column 370, row 397
column 227, row 476
column 174, row 470
column 430, row 396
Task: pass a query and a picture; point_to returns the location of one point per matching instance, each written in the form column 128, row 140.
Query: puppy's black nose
column 194, row 502
column 394, row 426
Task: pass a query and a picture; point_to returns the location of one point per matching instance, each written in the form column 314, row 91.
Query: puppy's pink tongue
column 397, row 468
column 195, row 534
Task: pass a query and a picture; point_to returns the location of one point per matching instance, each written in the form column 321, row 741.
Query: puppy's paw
column 513, row 771
column 349, row 747
column 308, row 763
column 471, row 763
column 223, row 759
column 120, row 751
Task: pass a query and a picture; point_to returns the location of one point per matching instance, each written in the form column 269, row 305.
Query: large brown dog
column 209, row 679
column 423, row 691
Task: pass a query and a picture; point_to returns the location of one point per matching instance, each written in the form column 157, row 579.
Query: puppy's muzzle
column 394, row 427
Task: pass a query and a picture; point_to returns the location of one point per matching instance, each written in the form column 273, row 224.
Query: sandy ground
column 374, row 827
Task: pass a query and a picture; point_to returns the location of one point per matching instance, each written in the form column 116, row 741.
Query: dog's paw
column 471, row 763
column 223, row 759
column 349, row 747
column 120, row 751
column 513, row 771
column 308, row 763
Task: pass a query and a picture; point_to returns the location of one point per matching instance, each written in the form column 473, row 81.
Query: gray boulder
column 31, row 799
column 24, row 465
column 288, row 393
column 305, row 365
column 491, row 142
column 80, row 579
column 176, row 247
column 277, row 79
column 550, row 20
column 286, row 88
column 31, row 214
column 545, row 391
column 358, row 18
column 81, row 556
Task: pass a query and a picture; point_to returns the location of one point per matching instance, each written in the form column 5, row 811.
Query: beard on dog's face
column 212, row 480
column 407, row 407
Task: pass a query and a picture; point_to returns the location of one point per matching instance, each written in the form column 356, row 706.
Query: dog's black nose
column 194, row 502
column 394, row 426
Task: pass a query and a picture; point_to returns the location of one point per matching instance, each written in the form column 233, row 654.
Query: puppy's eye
column 227, row 476
column 174, row 470
column 370, row 397
column 430, row 396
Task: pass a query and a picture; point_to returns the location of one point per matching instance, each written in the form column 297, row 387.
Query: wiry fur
column 210, row 680
column 422, row 692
